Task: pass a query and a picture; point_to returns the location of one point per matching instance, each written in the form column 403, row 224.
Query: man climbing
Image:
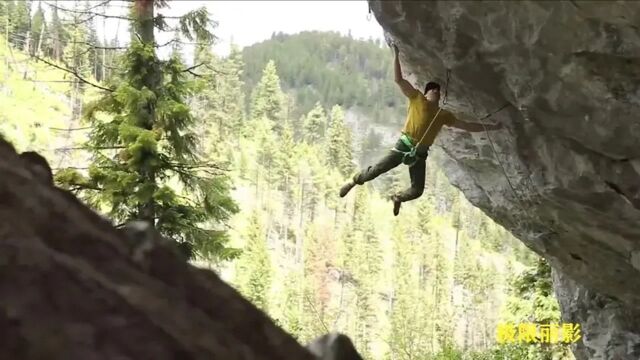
column 424, row 121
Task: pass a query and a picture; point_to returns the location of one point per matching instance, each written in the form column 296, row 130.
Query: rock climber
column 424, row 121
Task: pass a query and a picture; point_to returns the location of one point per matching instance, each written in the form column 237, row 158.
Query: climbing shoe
column 344, row 190
column 396, row 205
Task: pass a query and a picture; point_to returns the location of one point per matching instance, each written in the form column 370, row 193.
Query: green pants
column 390, row 161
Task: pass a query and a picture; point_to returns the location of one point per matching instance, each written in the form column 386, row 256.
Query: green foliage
column 333, row 69
column 38, row 27
column 254, row 265
column 94, row 55
column 535, row 287
column 310, row 259
column 218, row 100
column 532, row 301
column 285, row 159
column 315, row 125
column 21, row 24
column 267, row 97
column 339, row 144
column 363, row 259
column 410, row 335
column 293, row 306
column 370, row 147
column 195, row 24
column 145, row 163
column 4, row 11
column 58, row 35
column 316, row 293
column 28, row 111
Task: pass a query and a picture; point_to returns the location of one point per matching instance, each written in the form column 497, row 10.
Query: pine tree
column 293, row 307
column 38, row 28
column 254, row 265
column 339, row 147
column 365, row 266
column 317, row 252
column 285, row 160
column 532, row 300
column 267, row 152
column 267, row 99
column 21, row 19
column 77, row 58
column 370, row 144
column 409, row 332
column 234, row 97
column 147, row 145
column 315, row 125
column 221, row 90
column 207, row 101
column 94, row 55
column 3, row 12
column 58, row 34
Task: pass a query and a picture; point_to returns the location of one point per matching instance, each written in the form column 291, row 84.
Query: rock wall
column 564, row 175
column 74, row 287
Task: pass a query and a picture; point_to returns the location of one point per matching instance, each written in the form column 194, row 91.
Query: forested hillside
column 248, row 155
column 330, row 68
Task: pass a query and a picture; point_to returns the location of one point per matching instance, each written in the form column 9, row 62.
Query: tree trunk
column 6, row 54
column 143, row 28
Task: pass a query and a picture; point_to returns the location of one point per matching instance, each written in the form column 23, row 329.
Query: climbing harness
column 410, row 157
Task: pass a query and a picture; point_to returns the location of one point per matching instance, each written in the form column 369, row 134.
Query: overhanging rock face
column 565, row 174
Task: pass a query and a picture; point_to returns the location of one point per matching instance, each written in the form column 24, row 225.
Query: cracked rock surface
column 564, row 174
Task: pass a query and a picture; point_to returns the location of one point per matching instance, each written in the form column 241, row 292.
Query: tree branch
column 81, row 168
column 194, row 74
column 84, row 12
column 90, row 148
column 74, row 73
column 93, row 46
column 197, row 166
column 194, row 67
column 70, row 129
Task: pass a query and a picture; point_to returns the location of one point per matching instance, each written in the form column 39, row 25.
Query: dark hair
column 431, row 85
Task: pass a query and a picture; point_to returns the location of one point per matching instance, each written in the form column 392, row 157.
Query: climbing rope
column 493, row 148
column 519, row 199
column 517, row 196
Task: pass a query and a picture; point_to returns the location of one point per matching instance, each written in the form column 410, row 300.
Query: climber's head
column 432, row 91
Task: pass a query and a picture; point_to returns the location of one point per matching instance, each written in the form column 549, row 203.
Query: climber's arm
column 473, row 127
column 407, row 89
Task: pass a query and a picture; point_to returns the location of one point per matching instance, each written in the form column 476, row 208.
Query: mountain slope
column 330, row 68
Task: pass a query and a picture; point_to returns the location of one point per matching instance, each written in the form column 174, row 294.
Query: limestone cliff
column 565, row 174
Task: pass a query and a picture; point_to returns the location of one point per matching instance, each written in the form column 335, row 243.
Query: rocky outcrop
column 564, row 175
column 74, row 287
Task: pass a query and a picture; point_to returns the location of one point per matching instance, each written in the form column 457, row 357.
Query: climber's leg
column 388, row 162
column 417, row 172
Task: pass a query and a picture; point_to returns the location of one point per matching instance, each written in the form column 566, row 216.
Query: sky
column 248, row 22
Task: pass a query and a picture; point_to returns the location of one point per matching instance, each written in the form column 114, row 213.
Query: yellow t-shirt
column 419, row 117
